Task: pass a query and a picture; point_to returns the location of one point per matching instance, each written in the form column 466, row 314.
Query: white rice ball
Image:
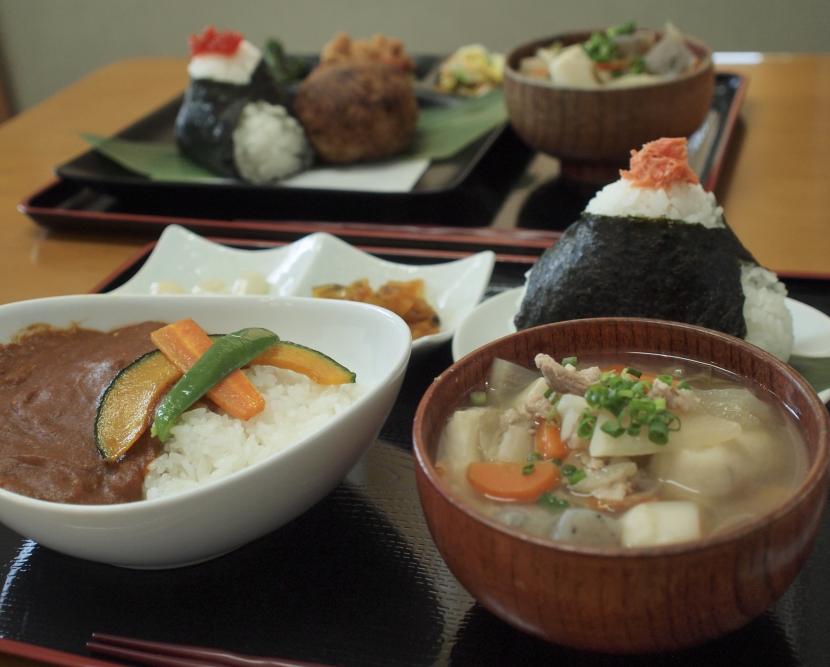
column 269, row 144
column 688, row 202
column 768, row 320
column 769, row 323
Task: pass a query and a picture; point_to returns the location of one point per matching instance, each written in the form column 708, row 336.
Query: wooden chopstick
column 161, row 654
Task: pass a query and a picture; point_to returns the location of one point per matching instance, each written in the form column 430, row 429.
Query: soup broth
column 635, row 450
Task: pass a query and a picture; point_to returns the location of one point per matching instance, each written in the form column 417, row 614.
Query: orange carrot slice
column 548, row 441
column 510, row 481
column 183, row 342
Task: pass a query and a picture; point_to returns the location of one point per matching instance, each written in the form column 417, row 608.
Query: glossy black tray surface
column 357, row 580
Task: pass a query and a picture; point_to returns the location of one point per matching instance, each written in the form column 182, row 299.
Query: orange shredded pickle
column 660, row 164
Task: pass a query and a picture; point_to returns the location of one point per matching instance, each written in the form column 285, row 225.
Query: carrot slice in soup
column 510, row 481
column 548, row 441
column 183, row 342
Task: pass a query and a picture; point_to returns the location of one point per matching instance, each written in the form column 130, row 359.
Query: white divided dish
column 225, row 513
column 452, row 288
column 493, row 319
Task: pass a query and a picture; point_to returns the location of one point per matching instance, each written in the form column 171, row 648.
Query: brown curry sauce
column 50, row 384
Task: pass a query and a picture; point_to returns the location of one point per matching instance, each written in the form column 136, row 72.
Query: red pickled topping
column 224, row 43
column 660, row 164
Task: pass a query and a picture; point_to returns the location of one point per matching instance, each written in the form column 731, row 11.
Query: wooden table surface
column 775, row 190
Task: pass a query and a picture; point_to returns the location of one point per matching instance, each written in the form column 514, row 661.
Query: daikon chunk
column 664, row 522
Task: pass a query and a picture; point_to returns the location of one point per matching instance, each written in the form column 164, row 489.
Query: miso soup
column 636, row 450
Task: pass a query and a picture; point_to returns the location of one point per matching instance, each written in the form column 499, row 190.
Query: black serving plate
column 356, row 580
column 451, row 188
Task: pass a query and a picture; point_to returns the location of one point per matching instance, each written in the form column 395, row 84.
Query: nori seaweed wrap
column 210, row 113
column 654, row 244
column 605, row 266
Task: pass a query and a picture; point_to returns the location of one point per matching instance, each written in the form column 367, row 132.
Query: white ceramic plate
column 452, row 288
column 494, row 318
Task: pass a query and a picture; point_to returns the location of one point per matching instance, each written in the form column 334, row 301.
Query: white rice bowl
column 768, row 320
column 205, row 445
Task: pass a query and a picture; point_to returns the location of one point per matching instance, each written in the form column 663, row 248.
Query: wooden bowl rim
column 705, row 65
column 816, row 472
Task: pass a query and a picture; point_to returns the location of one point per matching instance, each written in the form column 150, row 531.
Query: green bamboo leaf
column 444, row 131
column 158, row 161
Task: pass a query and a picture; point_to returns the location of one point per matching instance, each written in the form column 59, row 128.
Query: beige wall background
column 47, row 44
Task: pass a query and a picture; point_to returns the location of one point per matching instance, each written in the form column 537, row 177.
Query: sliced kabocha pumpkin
column 126, row 406
column 321, row 368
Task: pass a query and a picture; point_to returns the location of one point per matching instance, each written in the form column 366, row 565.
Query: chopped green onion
column 528, row 469
column 556, row 462
column 599, row 47
column 640, row 388
column 548, row 392
column 638, row 66
column 626, row 397
column 585, row 429
column 577, row 477
column 569, row 361
column 552, row 502
column 613, row 428
column 684, row 385
column 478, row 398
column 658, row 432
column 534, row 456
column 573, row 474
column 623, row 29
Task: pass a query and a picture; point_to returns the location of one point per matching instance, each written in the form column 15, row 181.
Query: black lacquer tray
column 357, row 580
column 467, row 185
column 468, row 189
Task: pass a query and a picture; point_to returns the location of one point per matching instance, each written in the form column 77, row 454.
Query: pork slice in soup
column 636, row 451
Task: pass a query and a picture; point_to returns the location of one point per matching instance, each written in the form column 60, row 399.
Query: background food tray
column 357, row 579
column 469, row 189
column 466, row 186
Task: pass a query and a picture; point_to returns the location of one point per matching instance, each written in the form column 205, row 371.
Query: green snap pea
column 227, row 354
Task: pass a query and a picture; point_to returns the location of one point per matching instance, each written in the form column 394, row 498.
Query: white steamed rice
column 269, row 144
column 684, row 201
column 206, row 445
column 769, row 323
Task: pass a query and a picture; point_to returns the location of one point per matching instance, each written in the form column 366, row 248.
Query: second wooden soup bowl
column 603, row 124
column 616, row 599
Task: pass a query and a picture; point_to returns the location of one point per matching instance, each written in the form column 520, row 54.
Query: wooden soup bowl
column 616, row 599
column 604, row 124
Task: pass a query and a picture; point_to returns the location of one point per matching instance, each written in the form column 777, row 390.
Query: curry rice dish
column 51, row 387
